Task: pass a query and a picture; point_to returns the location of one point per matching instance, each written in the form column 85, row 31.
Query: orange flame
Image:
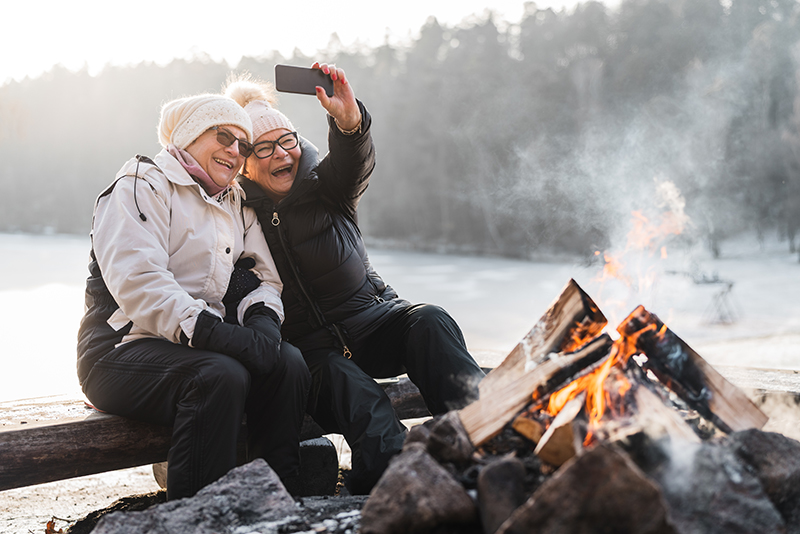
column 644, row 232
column 580, row 334
column 644, row 235
column 597, row 398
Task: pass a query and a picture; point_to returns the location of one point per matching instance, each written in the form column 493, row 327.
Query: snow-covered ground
column 496, row 301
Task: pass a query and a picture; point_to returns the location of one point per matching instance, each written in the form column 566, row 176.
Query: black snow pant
column 421, row 340
column 204, row 395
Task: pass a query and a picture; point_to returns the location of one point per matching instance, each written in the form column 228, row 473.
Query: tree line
column 530, row 138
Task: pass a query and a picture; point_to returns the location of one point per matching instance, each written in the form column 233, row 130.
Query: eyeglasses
column 226, row 139
column 265, row 149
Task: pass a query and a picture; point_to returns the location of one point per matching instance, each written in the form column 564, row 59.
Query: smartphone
column 301, row 80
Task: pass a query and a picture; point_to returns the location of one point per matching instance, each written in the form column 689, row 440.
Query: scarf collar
column 196, row 171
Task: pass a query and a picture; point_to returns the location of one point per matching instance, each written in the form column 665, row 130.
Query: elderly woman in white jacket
column 170, row 335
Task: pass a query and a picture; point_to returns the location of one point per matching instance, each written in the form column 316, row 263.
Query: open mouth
column 224, row 163
column 282, row 171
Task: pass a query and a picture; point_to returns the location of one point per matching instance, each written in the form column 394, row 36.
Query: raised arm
column 345, row 171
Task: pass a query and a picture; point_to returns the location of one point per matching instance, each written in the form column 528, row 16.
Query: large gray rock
column 448, row 440
column 775, row 461
column 416, row 494
column 247, row 499
column 601, row 491
column 501, row 490
column 709, row 491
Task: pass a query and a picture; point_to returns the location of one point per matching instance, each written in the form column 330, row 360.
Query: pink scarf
column 196, row 171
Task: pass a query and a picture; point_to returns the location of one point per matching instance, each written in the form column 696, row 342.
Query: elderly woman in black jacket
column 350, row 326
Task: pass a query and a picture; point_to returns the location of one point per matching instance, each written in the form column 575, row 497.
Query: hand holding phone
column 301, row 80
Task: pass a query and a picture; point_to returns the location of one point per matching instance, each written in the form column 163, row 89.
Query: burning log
column 572, row 319
column 485, row 418
column 658, row 420
column 528, row 427
column 687, row 374
column 561, row 441
column 605, row 387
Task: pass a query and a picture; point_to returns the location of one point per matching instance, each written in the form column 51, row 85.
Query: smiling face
column 221, row 163
column 276, row 173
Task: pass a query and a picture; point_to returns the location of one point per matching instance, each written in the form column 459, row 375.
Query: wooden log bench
column 55, row 438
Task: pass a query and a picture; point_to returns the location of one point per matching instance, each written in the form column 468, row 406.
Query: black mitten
column 255, row 350
column 242, row 282
column 263, row 319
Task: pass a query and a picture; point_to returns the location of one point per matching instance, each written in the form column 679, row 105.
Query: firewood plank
column 560, row 443
column 658, row 420
column 683, row 370
column 572, row 307
column 485, row 418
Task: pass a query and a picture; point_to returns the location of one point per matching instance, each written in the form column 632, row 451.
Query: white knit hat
column 266, row 118
column 185, row 119
column 256, row 99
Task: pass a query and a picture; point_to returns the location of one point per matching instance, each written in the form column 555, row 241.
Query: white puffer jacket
column 165, row 270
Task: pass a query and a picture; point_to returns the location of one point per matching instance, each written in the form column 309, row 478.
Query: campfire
column 572, row 370
column 579, row 431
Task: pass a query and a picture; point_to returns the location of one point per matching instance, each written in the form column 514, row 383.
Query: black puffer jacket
column 331, row 292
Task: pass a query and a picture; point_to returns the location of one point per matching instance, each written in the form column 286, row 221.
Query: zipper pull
column 347, row 354
column 378, row 298
column 275, row 220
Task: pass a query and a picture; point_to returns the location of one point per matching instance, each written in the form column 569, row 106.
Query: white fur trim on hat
column 265, row 118
column 257, row 99
column 185, row 119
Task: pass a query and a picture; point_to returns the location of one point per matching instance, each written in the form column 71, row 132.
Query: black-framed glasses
column 265, row 149
column 226, row 139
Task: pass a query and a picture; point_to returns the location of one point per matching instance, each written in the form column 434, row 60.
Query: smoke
column 644, row 188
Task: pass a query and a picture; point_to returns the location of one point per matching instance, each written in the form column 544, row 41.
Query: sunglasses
column 226, row 139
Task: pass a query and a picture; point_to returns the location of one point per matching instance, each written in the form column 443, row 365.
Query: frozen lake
column 496, row 302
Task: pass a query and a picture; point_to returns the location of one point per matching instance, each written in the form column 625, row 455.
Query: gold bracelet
column 348, row 132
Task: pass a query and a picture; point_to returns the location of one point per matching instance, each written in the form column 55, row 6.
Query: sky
column 36, row 36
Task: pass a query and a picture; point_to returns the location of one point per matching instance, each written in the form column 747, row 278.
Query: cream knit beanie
column 257, row 100
column 185, row 119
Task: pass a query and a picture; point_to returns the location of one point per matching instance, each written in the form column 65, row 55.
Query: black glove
column 242, row 282
column 263, row 319
column 254, row 349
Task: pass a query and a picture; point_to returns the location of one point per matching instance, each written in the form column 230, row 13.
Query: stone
column 709, row 491
column 418, row 434
column 416, row 494
column 248, row 495
column 319, row 469
column 600, row 491
column 449, row 441
column 775, row 461
column 501, row 490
